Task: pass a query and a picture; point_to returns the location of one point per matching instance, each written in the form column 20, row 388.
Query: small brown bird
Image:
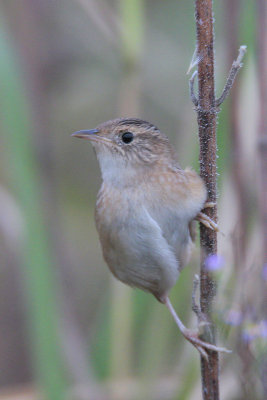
column 145, row 209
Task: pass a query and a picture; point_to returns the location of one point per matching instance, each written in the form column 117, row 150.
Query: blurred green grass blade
column 132, row 20
column 247, row 26
column 161, row 341
column 121, row 330
column 121, row 321
column 189, row 380
column 22, row 168
column 223, row 144
column 101, row 343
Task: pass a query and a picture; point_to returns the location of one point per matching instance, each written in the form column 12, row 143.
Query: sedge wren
column 145, row 209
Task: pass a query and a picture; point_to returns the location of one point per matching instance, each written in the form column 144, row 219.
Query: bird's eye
column 127, row 137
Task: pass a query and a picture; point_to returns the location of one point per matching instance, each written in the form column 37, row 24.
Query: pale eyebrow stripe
column 137, row 122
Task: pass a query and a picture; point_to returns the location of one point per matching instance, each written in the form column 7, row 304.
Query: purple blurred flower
column 264, row 272
column 255, row 331
column 263, row 329
column 248, row 336
column 233, row 317
column 214, row 262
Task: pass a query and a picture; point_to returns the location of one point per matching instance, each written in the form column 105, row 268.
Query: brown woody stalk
column 206, row 115
column 207, row 107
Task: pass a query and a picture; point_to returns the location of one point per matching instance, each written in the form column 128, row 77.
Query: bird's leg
column 192, row 336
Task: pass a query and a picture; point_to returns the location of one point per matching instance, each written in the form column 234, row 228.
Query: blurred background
column 67, row 329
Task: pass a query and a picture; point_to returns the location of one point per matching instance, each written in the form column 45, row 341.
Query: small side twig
column 192, row 91
column 237, row 64
column 201, row 318
column 195, row 306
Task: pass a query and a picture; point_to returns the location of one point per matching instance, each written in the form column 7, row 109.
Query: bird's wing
column 178, row 201
column 140, row 256
column 193, row 230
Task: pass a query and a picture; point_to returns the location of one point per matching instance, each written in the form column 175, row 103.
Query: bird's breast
column 166, row 193
column 118, row 209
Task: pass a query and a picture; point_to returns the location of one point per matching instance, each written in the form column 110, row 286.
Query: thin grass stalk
column 262, row 128
column 239, row 179
column 232, row 14
column 131, row 41
column 262, row 148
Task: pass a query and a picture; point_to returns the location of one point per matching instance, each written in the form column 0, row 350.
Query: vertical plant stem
column 132, row 29
column 36, row 258
column 232, row 9
column 27, row 24
column 206, row 115
column 131, row 40
column 262, row 147
column 239, row 179
column 262, row 130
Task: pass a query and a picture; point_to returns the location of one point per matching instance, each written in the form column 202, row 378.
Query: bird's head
column 128, row 144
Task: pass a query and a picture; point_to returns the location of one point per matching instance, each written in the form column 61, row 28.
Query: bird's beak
column 91, row 134
column 86, row 134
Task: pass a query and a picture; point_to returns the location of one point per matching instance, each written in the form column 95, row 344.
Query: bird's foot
column 200, row 345
column 207, row 221
column 192, row 336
